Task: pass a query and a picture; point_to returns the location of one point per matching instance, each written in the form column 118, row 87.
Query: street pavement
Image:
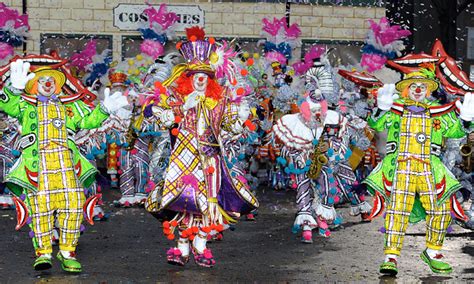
column 130, row 248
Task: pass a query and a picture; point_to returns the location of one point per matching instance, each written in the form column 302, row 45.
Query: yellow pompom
column 214, row 58
column 139, row 57
column 136, row 72
column 130, row 71
column 131, row 62
column 291, row 72
column 256, row 55
column 246, row 54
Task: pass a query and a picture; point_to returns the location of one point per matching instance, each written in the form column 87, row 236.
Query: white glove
column 167, row 117
column 386, row 97
column 191, row 101
column 244, row 111
column 112, row 103
column 19, row 74
column 466, row 109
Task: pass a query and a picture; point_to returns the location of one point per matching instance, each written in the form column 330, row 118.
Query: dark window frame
column 44, row 36
column 354, row 3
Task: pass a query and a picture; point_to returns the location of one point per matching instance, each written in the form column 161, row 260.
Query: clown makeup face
column 417, row 92
column 46, row 86
column 200, row 82
column 316, row 110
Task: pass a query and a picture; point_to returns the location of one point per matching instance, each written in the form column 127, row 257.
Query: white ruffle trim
column 325, row 212
column 305, row 219
column 363, row 207
column 293, row 132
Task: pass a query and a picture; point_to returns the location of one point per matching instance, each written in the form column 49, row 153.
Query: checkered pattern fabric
column 414, row 176
column 58, row 192
column 184, row 161
column 66, row 205
column 134, row 168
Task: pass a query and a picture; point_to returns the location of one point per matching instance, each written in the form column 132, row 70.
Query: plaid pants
column 67, row 204
column 414, row 177
column 59, row 194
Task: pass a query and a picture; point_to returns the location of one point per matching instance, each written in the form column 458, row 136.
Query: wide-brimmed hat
column 416, row 77
column 58, row 76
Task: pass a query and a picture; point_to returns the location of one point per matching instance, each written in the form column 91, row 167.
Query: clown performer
column 202, row 193
column 50, row 174
column 315, row 151
column 411, row 178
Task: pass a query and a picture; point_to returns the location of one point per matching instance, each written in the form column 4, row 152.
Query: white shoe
column 127, row 201
column 140, row 198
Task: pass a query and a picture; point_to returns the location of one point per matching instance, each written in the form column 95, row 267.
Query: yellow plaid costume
column 414, row 176
column 59, row 193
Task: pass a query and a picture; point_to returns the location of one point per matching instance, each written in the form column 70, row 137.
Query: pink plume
column 190, row 180
column 315, row 52
column 152, row 48
column 274, row 56
column 8, row 14
column 386, row 34
column 162, row 17
column 372, row 62
column 84, row 58
column 5, row 50
column 301, row 67
column 273, row 27
column 293, row 31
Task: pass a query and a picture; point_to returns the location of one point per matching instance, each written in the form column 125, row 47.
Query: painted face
column 200, row 82
column 417, row 91
column 46, row 86
column 316, row 110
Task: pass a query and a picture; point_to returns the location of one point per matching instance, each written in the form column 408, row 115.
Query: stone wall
column 221, row 19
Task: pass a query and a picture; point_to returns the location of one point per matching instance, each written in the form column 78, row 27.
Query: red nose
column 48, row 84
column 201, row 79
column 418, row 90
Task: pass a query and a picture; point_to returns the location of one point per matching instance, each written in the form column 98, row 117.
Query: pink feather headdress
column 82, row 59
column 314, row 53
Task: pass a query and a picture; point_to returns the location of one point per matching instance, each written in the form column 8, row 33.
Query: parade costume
column 411, row 180
column 318, row 138
column 202, row 192
column 280, row 41
column 299, row 133
column 9, row 134
column 50, row 174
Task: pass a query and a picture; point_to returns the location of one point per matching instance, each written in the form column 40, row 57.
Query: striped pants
column 63, row 204
column 414, row 177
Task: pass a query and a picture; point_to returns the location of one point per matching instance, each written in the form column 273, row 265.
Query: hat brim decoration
column 58, row 76
column 402, row 85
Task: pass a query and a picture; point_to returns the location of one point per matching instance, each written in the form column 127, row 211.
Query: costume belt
column 415, row 159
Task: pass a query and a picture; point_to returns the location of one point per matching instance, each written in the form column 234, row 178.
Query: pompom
column 152, row 48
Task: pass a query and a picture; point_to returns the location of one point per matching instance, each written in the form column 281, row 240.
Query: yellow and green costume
column 51, row 173
column 411, row 179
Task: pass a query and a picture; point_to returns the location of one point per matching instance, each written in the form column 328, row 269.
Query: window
column 378, row 3
column 344, row 52
column 470, row 42
column 68, row 44
column 131, row 45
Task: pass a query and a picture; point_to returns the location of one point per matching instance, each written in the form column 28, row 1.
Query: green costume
column 24, row 173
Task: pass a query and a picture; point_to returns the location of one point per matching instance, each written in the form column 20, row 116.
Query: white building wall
column 221, row 19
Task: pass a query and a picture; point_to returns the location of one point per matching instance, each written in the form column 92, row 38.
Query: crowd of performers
column 192, row 135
